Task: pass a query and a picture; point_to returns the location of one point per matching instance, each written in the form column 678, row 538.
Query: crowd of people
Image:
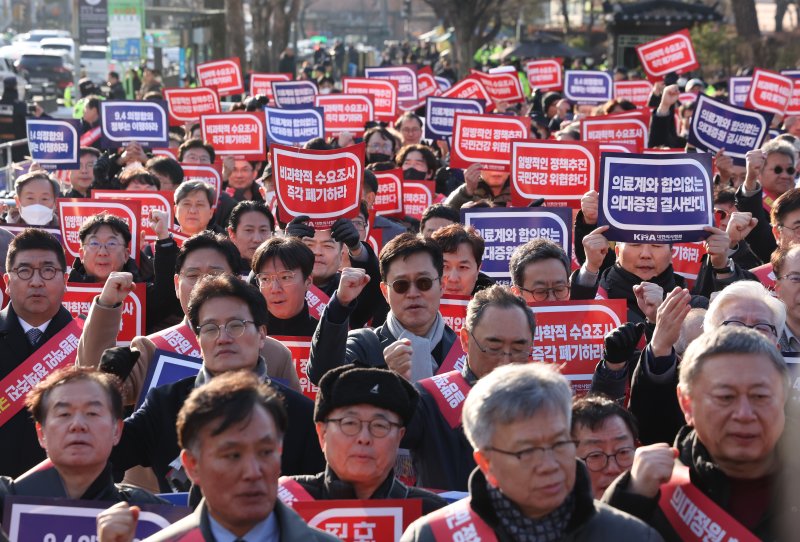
column 685, row 433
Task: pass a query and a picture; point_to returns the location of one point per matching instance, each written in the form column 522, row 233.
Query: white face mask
column 36, row 214
column 324, row 91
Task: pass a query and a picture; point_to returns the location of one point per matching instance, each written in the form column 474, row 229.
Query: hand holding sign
column 739, row 226
column 344, row 231
column 652, row 466
column 398, row 357
column 351, row 283
column 648, row 297
column 299, row 228
column 669, row 320
column 118, row 523
column 595, row 245
column 117, row 287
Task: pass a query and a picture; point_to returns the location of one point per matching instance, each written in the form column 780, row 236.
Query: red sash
column 694, row 516
column 195, row 535
column 60, row 351
column 317, row 301
column 458, row 521
column 449, row 390
column 767, row 200
column 90, row 137
column 765, row 275
column 290, row 491
column 454, row 360
column 179, row 339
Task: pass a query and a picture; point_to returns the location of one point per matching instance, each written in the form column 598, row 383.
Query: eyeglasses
column 352, row 426
column 794, row 229
column 720, row 214
column 411, row 130
column 110, row 245
column 283, row 278
column 379, row 147
column 47, row 272
column 778, row 170
column 194, row 275
column 597, row 461
column 794, row 278
column 541, row 294
column 761, row 327
column 359, row 224
column 530, row 456
column 401, row 286
column 234, row 328
column 515, row 353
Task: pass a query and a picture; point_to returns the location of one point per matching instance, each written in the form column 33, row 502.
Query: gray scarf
column 549, row 528
column 422, row 363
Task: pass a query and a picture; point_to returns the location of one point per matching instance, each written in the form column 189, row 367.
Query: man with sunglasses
column 414, row 341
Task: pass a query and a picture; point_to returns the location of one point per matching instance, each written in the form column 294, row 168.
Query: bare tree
column 744, row 12
column 272, row 22
column 234, row 29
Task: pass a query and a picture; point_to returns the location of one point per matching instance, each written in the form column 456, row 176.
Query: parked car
column 94, row 61
column 39, row 34
column 60, row 44
column 45, row 69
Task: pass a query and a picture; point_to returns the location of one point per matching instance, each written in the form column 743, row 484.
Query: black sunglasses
column 423, row 284
column 778, row 170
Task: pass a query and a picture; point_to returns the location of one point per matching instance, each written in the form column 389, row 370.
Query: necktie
column 34, row 336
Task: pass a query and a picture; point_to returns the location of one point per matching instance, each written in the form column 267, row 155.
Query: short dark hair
column 195, row 186
column 532, row 252
column 139, row 174
column 215, row 286
column 113, row 74
column 451, row 237
column 23, row 180
column 384, row 133
column 167, row 166
column 196, row 143
column 208, row 239
column 291, row 251
column 726, row 195
column 250, row 206
column 93, row 102
column 439, row 210
column 95, row 222
column 88, row 150
column 370, row 181
column 430, row 159
column 408, row 115
column 317, row 144
column 593, row 410
column 786, row 203
column 35, row 239
column 408, row 244
column 779, row 258
column 496, row 296
column 226, row 400
column 36, row 400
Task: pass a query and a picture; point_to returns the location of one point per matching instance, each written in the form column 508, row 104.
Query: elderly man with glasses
column 528, row 484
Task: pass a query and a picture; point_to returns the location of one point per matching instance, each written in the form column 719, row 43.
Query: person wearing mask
column 417, row 162
column 35, row 198
column 381, row 145
column 251, row 224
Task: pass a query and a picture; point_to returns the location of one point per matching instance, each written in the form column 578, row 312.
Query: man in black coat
column 229, row 318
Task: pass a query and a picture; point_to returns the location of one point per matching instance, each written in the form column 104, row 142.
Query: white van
column 94, row 60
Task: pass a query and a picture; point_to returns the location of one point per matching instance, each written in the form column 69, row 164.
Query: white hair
column 744, row 290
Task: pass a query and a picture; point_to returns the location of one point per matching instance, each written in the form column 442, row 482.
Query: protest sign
column 293, row 93
column 589, row 87
column 619, row 128
column 223, row 75
column 345, row 113
column 144, row 122
column 54, row 143
column 687, row 259
column 417, row 196
column 769, row 91
column 545, row 74
column 618, row 147
column 570, row 334
column 166, row 151
column 300, row 347
column 716, row 125
column 440, row 113
column 504, row 229
column 738, row 89
column 261, row 83
column 186, row 105
column 208, row 173
column 486, row 140
column 389, row 199
column 355, row 520
column 57, row 520
column 672, row 53
column 236, row 134
column 405, row 76
column 294, row 126
column 559, row 171
column 166, row 368
column 426, row 86
column 665, row 198
column 324, row 185
column 79, row 296
column 470, row 88
column 443, row 82
column 637, row 92
column 502, row 87
column 794, row 104
column 73, row 212
column 383, row 92
column 150, row 201
column 454, row 310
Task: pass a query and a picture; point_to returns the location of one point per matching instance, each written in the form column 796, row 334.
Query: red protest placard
column 224, row 75
column 687, row 259
column 470, row 88
column 354, row 520
column 672, row 53
column 625, row 129
column 389, row 199
column 73, row 212
column 79, row 296
column 559, row 171
column 345, row 113
column 237, row 134
column 208, row 173
column 486, row 139
column 300, row 347
column 637, row 92
column 769, row 91
column 570, row 334
column 383, row 92
column 793, row 108
column 545, row 74
column 261, row 83
column 417, row 196
column 324, row 185
column 618, row 147
column 167, row 151
column 426, row 86
column 502, row 87
column 150, row 201
column 186, row 105
column 454, row 310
